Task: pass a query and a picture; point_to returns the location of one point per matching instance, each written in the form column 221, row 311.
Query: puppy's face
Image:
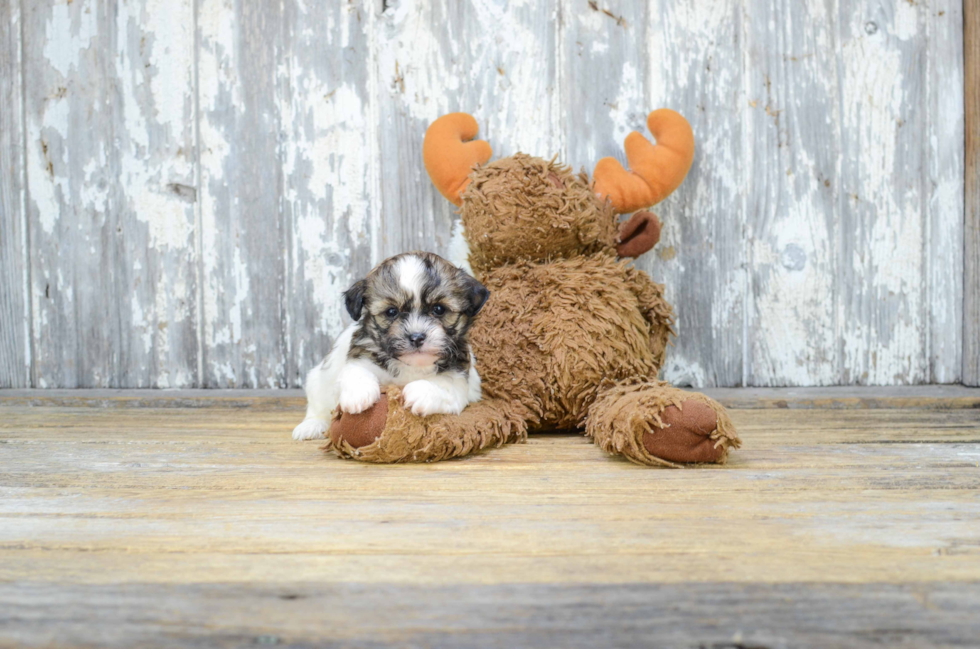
column 415, row 309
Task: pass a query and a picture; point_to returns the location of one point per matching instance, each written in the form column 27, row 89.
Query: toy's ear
column 354, row 299
column 655, row 170
column 449, row 154
column 638, row 235
column 476, row 295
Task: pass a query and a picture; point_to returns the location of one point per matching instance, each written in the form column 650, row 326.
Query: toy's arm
column 655, row 308
column 638, row 235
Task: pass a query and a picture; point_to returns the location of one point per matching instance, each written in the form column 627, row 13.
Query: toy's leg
column 388, row 432
column 654, row 423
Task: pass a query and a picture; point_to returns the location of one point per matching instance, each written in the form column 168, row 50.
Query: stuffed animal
column 573, row 336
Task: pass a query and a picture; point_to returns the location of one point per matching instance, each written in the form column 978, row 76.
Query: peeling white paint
column 683, row 372
column 630, row 95
column 44, row 189
column 218, row 91
column 885, row 203
column 703, row 243
column 413, row 61
column 906, row 20
column 752, row 249
column 337, row 152
column 327, row 161
column 69, row 33
column 172, row 57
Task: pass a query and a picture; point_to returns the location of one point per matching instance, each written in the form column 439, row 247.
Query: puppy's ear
column 476, row 295
column 354, row 299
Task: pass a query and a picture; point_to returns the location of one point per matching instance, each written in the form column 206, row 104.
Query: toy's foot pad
column 653, row 423
column 686, row 435
column 363, row 428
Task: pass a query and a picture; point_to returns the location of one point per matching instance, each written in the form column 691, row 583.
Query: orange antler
column 449, row 155
column 656, row 171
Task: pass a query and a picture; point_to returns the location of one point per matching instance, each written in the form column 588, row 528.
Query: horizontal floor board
column 713, row 615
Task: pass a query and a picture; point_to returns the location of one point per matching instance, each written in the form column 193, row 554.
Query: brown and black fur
column 381, row 338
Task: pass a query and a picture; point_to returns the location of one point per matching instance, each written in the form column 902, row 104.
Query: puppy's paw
column 426, row 399
column 358, row 395
column 311, row 429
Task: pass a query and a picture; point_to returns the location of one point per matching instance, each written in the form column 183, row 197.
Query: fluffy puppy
column 411, row 317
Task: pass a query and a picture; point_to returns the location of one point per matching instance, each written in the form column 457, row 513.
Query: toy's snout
column 638, row 235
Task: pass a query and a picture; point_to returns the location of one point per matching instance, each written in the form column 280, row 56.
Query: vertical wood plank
column 417, row 82
column 68, row 149
column 152, row 88
column 15, row 352
column 620, row 61
column 605, row 77
column 694, row 58
column 330, row 208
column 792, row 187
column 485, row 57
column 943, row 188
column 109, row 105
column 971, row 248
column 508, row 63
column 882, row 274
column 242, row 240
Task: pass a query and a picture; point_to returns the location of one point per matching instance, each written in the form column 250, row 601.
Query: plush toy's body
column 572, row 336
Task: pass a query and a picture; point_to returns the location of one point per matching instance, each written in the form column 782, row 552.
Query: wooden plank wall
column 15, row 354
column 971, row 271
column 189, row 185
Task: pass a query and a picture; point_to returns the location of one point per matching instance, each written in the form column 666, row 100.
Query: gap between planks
column 928, row 397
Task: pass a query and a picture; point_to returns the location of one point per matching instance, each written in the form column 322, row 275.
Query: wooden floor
column 203, row 525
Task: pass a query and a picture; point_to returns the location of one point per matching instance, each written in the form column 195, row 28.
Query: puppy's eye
column 391, row 312
column 438, row 310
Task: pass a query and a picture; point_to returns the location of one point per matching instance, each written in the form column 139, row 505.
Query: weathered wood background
column 187, row 185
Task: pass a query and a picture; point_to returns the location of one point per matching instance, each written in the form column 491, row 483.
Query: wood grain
column 971, row 248
column 487, row 58
column 110, row 168
column 619, row 61
column 716, row 614
column 884, row 172
column 201, row 179
column 330, row 204
column 15, row 352
column 693, row 64
column 242, row 237
column 416, row 46
column 209, row 526
column 793, row 325
column 943, row 189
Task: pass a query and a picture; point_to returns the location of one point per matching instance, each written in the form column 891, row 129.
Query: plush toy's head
column 527, row 208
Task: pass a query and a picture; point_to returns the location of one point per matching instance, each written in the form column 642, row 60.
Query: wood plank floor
column 208, row 526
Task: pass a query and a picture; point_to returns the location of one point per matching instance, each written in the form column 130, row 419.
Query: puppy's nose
column 417, row 339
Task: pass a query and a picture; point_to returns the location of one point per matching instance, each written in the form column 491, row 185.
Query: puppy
column 411, row 317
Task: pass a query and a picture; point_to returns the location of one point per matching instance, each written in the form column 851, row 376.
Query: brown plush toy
column 573, row 336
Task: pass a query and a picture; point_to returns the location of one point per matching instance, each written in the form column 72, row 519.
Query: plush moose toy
column 573, row 336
